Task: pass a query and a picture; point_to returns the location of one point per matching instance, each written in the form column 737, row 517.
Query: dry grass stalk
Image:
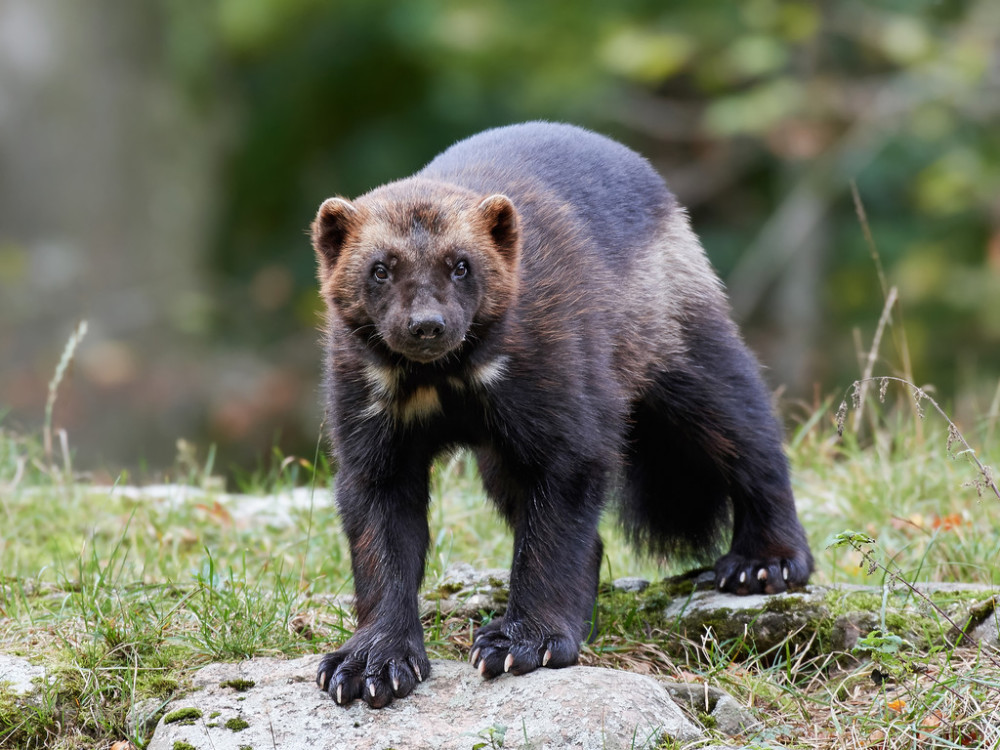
column 985, row 481
column 64, row 362
column 899, row 330
column 873, row 355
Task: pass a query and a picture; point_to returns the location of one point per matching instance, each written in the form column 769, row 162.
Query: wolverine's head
column 417, row 264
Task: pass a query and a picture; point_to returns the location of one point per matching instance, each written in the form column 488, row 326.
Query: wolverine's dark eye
column 380, row 273
column 460, row 271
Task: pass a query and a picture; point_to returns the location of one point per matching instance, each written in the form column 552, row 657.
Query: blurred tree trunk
column 107, row 175
column 780, row 287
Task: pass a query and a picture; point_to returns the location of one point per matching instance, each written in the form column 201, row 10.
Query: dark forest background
column 161, row 161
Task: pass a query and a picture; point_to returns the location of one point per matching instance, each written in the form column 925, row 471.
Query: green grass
column 909, row 486
column 118, row 597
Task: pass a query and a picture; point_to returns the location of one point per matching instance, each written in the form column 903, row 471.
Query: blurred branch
column 810, row 198
column 658, row 117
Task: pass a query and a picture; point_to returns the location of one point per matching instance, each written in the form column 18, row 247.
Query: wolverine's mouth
column 422, row 351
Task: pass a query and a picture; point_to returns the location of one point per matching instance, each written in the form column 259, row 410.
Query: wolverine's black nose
column 426, row 325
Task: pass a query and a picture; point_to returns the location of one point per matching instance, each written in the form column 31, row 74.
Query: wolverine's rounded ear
column 334, row 221
column 502, row 220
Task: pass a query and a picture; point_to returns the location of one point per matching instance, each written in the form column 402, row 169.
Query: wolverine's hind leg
column 706, row 448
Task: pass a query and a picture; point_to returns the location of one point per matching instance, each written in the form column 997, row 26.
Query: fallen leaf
column 931, row 720
column 948, row 523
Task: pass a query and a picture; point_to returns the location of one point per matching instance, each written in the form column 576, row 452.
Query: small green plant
column 494, row 737
column 194, row 471
column 28, row 724
column 22, row 461
column 887, row 652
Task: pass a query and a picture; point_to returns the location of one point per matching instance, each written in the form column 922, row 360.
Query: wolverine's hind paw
column 494, row 651
column 740, row 574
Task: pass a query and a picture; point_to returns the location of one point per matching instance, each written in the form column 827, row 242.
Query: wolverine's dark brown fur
column 536, row 294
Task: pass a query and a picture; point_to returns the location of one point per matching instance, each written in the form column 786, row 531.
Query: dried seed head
column 841, row 417
column 953, row 437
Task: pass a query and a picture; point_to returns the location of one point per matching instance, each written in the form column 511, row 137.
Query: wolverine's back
column 610, row 192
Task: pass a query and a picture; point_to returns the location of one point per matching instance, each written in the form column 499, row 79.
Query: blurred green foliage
column 759, row 113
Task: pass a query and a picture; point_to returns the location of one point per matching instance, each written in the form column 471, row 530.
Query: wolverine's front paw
column 505, row 647
column 746, row 574
column 367, row 667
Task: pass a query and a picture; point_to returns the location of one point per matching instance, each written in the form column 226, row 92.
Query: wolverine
column 536, row 295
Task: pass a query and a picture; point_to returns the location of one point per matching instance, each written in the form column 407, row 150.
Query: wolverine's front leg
column 553, row 581
column 386, row 524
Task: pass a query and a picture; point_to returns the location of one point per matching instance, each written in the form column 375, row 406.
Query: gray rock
column 279, row 509
column 144, row 715
column 464, row 591
column 843, row 614
column 988, row 634
column 985, row 621
column 728, row 716
column 18, row 675
column 630, row 584
column 579, row 707
column 851, row 627
column 764, row 621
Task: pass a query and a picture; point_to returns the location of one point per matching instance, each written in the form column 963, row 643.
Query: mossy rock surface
column 239, row 685
column 237, row 724
column 186, row 715
column 820, row 619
